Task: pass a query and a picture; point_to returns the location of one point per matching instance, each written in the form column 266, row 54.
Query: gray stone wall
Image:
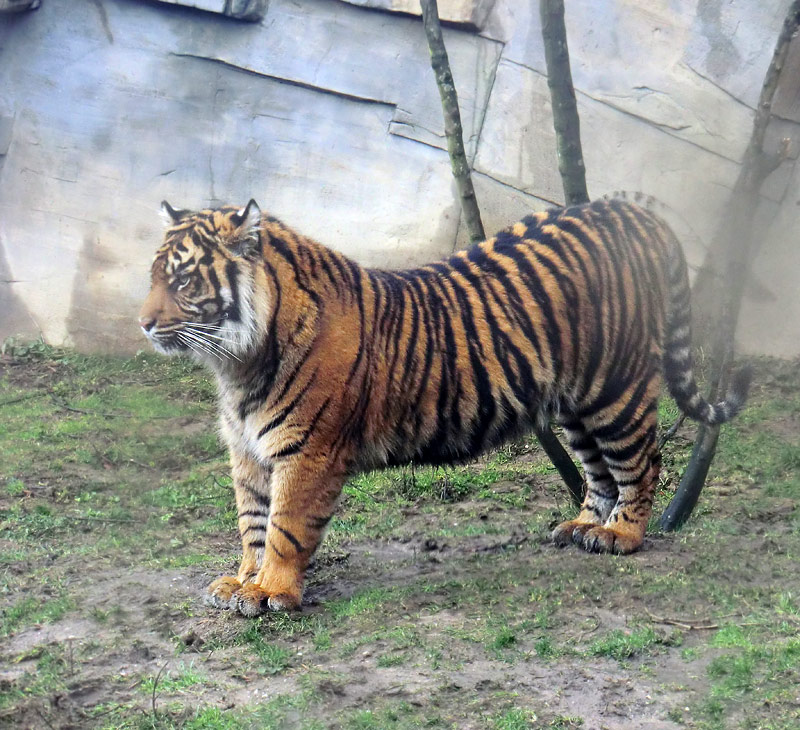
column 327, row 113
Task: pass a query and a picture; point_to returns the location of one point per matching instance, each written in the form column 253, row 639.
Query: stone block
column 769, row 323
column 693, row 68
column 312, row 43
column 472, row 13
column 621, row 152
column 6, row 125
column 16, row 6
column 252, row 10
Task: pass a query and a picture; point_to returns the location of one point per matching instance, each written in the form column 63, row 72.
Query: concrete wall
column 327, row 113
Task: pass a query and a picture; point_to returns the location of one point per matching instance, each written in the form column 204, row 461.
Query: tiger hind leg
column 601, row 489
column 636, row 476
column 624, row 432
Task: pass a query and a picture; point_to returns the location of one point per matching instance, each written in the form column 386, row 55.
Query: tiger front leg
column 251, row 484
column 304, row 495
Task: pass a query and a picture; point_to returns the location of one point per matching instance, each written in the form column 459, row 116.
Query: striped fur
column 326, row 368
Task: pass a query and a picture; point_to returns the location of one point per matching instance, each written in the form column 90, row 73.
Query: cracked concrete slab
column 329, row 115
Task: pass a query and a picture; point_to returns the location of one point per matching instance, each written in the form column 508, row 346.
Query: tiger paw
column 252, row 600
column 220, row 592
column 570, row 532
column 608, row 540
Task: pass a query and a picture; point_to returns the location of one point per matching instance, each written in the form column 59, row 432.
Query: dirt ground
column 436, row 600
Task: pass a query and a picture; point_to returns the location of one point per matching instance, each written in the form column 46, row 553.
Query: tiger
column 325, row 368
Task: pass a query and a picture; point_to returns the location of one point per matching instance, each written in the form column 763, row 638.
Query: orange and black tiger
column 326, row 368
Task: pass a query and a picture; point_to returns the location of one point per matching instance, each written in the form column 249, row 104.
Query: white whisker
column 203, row 325
column 209, row 347
column 215, row 347
column 190, row 340
column 188, row 344
column 213, row 336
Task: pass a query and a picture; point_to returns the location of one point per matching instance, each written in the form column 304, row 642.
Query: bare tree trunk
column 469, row 205
column 562, row 95
column 736, row 236
column 570, row 165
column 452, row 120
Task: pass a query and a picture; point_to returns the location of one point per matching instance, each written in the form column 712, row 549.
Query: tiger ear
column 170, row 216
column 247, row 221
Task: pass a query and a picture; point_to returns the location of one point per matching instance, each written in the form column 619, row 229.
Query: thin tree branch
column 573, row 178
column 671, row 431
column 469, row 205
column 565, row 109
column 736, row 233
column 452, row 120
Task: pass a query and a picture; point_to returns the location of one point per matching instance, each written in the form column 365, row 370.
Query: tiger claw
column 220, row 592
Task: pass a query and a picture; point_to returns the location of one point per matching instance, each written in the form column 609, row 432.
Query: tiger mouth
column 167, row 342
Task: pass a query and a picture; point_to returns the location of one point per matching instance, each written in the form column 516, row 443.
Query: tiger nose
column 147, row 323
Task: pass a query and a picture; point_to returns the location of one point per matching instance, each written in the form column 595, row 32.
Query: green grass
column 514, row 719
column 111, row 468
column 32, row 610
column 620, row 644
column 173, row 681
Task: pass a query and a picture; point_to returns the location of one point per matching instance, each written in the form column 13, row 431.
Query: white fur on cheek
column 241, row 335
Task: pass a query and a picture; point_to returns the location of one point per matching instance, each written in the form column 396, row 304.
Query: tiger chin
column 326, row 368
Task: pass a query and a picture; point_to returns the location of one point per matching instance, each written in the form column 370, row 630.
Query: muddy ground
column 436, row 600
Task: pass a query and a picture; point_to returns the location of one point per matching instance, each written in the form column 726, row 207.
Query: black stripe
column 526, row 392
column 318, row 523
column 233, row 311
column 281, row 416
column 262, row 499
column 292, row 449
column 254, row 528
column 359, row 295
column 290, row 537
column 487, row 407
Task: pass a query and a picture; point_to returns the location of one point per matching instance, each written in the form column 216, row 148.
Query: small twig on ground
column 217, row 482
column 214, row 457
column 70, row 655
column 104, row 414
column 155, row 687
column 98, row 519
column 66, row 407
column 682, row 624
column 366, row 494
column 586, row 632
column 44, row 719
column 142, row 465
column 671, row 431
column 20, row 399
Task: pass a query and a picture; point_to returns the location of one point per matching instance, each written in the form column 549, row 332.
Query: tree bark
column 469, row 205
column 452, row 120
column 735, row 236
column 565, row 109
column 573, row 177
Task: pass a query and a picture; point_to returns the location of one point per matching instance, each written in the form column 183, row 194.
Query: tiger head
column 201, row 292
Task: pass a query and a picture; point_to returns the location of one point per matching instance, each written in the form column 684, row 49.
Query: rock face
column 328, row 114
column 17, row 6
column 472, row 13
column 252, row 10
